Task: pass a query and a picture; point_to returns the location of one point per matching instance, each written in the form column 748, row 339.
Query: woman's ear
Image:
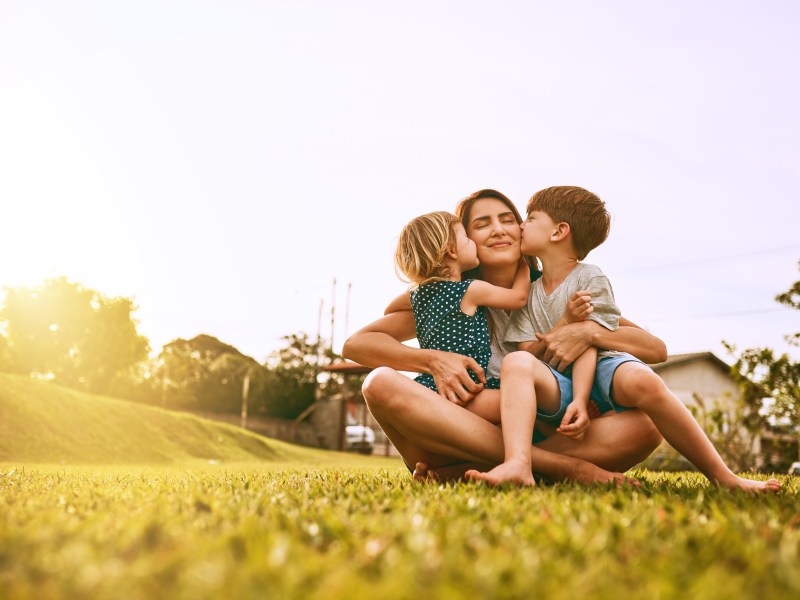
column 561, row 232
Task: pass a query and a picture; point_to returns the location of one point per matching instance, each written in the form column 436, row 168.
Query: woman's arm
column 402, row 302
column 562, row 345
column 379, row 345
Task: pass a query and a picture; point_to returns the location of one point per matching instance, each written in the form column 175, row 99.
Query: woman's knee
column 377, row 386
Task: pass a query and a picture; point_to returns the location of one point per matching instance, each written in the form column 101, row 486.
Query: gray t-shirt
column 498, row 324
column 542, row 311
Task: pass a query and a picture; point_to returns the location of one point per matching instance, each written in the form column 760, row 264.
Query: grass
column 256, row 531
column 44, row 423
column 272, row 520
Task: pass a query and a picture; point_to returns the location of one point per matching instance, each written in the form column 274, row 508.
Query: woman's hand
column 450, row 373
column 561, row 346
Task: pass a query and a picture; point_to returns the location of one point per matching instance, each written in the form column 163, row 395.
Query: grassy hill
column 44, row 423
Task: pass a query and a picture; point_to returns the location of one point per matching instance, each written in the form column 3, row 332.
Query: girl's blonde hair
column 422, row 248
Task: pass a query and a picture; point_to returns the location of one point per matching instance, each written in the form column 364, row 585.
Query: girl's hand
column 579, row 307
column 575, row 422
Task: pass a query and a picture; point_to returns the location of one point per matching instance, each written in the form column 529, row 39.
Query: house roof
column 674, row 360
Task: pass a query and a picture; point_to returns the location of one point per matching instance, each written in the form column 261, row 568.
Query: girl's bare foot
column 508, row 472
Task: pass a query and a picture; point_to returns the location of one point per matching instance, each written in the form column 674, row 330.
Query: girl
column 432, row 252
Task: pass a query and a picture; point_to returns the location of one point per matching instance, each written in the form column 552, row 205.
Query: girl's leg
column 426, row 428
column 636, row 385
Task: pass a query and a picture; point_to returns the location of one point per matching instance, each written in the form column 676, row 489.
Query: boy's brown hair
column 586, row 214
column 423, row 246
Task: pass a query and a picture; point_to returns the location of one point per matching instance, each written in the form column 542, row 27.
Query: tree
column 292, row 376
column 771, row 382
column 72, row 335
column 204, row 373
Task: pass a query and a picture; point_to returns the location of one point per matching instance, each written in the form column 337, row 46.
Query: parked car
column 360, row 438
column 794, row 469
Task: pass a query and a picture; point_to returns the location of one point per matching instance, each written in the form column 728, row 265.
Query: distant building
column 703, row 381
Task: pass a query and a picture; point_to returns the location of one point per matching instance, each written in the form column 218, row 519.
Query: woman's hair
column 422, row 248
column 464, row 210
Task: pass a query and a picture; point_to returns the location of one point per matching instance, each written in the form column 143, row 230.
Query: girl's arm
column 481, row 293
column 402, row 302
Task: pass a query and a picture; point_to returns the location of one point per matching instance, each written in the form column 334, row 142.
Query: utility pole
column 333, row 311
column 245, row 394
column 347, row 311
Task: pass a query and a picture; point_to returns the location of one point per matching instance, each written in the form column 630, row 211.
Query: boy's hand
column 579, row 307
column 575, row 422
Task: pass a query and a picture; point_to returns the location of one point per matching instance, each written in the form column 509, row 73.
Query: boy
column 563, row 225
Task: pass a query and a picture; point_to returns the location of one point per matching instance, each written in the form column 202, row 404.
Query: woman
column 434, row 431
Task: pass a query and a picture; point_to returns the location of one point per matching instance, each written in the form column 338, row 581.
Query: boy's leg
column 636, row 385
column 520, row 375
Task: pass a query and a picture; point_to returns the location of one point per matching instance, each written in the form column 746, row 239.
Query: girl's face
column 495, row 231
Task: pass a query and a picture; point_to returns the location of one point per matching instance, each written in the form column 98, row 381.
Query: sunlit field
column 281, row 531
column 101, row 498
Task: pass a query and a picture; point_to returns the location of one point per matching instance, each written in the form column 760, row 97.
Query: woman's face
column 495, row 231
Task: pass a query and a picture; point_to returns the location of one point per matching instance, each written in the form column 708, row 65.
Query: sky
column 223, row 163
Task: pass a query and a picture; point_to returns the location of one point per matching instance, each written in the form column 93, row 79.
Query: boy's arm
column 402, row 302
column 579, row 308
column 481, row 293
column 576, row 418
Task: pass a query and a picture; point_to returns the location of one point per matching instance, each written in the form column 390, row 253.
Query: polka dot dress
column 442, row 326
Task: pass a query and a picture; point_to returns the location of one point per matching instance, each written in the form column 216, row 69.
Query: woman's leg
column 424, row 427
column 617, row 441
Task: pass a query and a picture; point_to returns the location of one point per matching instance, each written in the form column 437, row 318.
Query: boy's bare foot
column 750, row 485
column 508, row 472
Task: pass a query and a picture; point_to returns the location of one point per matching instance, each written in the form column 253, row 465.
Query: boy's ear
column 561, row 232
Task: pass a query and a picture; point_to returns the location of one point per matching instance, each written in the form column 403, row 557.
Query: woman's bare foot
column 424, row 474
column 592, row 474
column 508, row 472
column 455, row 472
column 750, row 485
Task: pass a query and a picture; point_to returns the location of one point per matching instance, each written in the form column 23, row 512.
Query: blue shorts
column 601, row 394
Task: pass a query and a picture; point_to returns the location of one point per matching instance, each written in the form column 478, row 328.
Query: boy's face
column 537, row 229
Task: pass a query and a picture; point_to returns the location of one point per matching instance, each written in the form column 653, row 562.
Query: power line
column 699, row 261
column 736, row 313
